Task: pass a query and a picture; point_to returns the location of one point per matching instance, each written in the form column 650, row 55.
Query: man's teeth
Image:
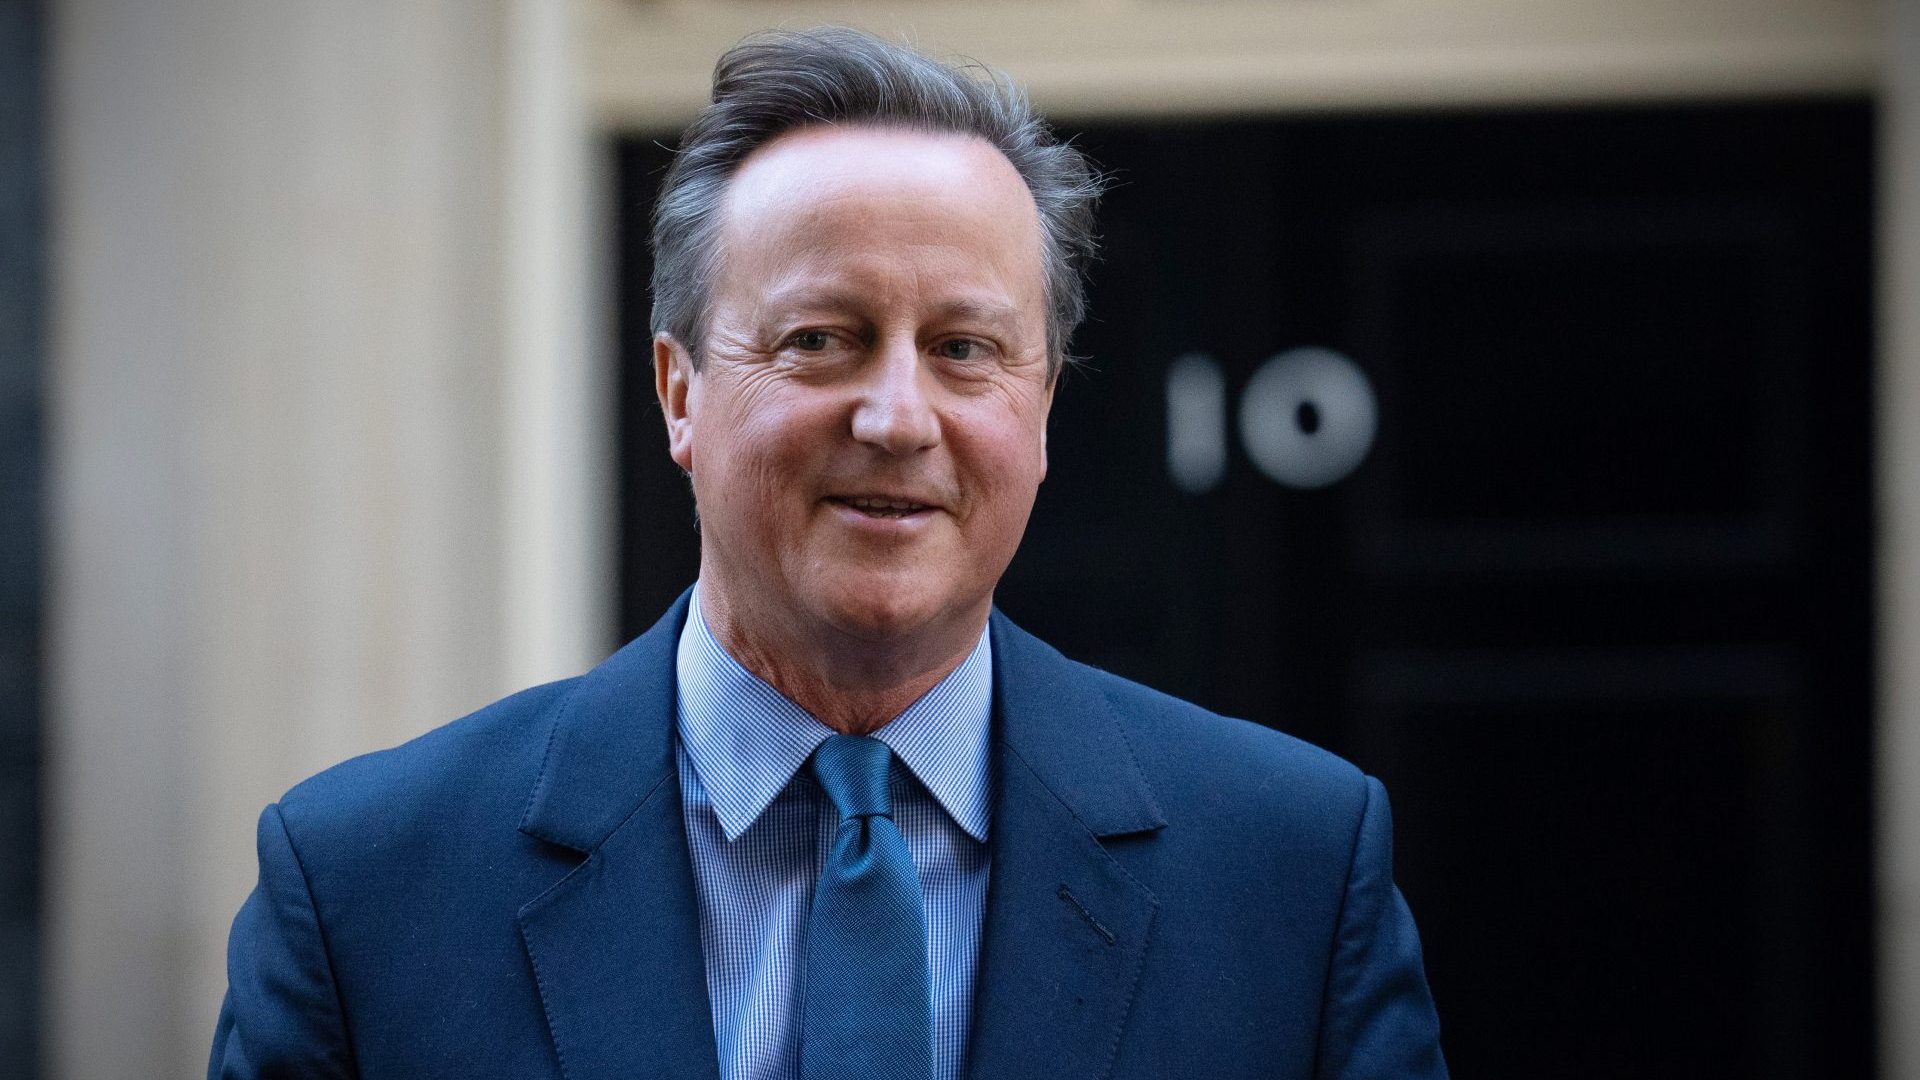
column 885, row 506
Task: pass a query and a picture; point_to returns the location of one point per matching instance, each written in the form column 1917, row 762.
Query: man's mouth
column 881, row 507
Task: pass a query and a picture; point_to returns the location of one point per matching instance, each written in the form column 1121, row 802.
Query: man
column 833, row 816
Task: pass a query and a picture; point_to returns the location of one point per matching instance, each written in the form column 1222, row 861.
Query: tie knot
column 853, row 771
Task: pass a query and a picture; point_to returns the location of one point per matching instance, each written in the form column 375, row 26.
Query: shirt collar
column 746, row 740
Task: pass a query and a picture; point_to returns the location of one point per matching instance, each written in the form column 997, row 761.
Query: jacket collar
column 1067, row 925
column 1055, row 721
column 615, row 945
column 611, row 742
column 613, row 738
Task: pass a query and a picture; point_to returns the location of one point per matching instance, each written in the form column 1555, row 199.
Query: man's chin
column 893, row 616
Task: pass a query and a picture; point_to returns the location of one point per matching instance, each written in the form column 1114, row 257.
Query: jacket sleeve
column 1378, row 1019
column 282, row 1016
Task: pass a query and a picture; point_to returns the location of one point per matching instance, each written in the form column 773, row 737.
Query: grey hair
column 780, row 81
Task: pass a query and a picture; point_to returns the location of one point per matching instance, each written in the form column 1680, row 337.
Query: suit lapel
column 615, row 945
column 1067, row 927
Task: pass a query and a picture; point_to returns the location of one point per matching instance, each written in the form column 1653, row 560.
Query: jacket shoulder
column 459, row 775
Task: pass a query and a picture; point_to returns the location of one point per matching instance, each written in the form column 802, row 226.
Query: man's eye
column 960, row 349
column 810, row 340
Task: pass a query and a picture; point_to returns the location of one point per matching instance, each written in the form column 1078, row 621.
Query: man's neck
column 851, row 685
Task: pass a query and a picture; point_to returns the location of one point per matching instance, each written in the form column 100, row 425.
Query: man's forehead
column 811, row 168
column 841, row 218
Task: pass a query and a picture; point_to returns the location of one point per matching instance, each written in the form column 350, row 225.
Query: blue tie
column 869, row 1013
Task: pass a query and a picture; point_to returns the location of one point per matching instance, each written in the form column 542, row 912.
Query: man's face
column 867, row 430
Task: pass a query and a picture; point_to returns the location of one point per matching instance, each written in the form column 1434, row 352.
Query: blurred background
column 1521, row 399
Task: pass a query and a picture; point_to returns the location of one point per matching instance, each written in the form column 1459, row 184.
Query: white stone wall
column 316, row 373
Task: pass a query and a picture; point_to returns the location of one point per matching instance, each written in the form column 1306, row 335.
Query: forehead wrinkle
column 831, row 280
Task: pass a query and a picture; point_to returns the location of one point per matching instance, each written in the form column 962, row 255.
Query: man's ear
column 673, row 377
column 1046, row 417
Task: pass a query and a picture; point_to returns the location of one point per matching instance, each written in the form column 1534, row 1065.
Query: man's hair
column 777, row 82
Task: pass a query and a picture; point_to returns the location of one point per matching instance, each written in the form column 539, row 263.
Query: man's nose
column 895, row 411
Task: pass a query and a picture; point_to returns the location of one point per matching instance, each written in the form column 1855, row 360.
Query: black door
column 23, row 472
column 1521, row 458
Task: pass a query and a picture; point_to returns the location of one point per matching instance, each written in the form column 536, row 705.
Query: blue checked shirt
column 759, row 830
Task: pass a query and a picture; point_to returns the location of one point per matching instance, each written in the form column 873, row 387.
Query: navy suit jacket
column 1172, row 894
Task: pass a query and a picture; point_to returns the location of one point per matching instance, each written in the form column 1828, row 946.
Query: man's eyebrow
column 979, row 311
column 812, row 298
